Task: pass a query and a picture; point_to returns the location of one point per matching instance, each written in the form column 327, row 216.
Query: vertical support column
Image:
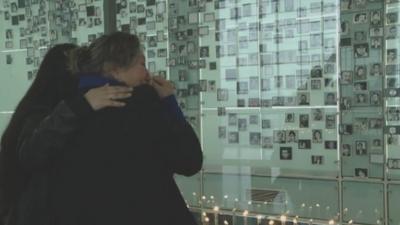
column 110, row 16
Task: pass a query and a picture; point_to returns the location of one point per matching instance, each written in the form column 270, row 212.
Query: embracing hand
column 163, row 87
column 107, row 96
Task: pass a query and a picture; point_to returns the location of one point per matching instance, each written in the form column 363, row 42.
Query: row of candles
column 261, row 219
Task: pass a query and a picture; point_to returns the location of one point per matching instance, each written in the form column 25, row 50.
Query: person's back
column 118, row 169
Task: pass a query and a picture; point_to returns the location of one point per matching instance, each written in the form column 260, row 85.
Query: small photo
column 345, row 103
column 376, row 32
column 361, row 148
column 279, row 136
column 346, row 150
column 204, row 52
column 331, row 145
column 360, row 36
column 304, row 144
column 254, row 119
column 360, row 72
column 376, row 43
column 317, row 114
column 317, row 136
column 394, row 163
column 361, row 99
column 360, row 86
column 392, row 18
column 265, row 124
column 232, row 119
column 361, row 50
column 303, row 98
column 222, row 132
column 360, row 18
column 289, row 118
column 376, row 69
column 285, row 153
column 376, row 18
column 391, row 32
column 360, row 172
column 316, row 72
column 255, row 138
column 233, row 137
column 376, row 143
column 330, row 98
column 267, row 142
column 391, row 56
column 393, row 114
column 291, row 136
column 330, row 121
column 315, row 84
column 375, row 98
column 317, row 159
column 242, row 124
column 346, row 77
column 303, row 120
column 222, row 94
column 375, row 123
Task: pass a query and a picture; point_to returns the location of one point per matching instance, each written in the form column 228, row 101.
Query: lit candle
column 294, row 221
column 259, row 217
column 271, row 222
column 331, row 222
column 206, row 221
column 216, row 209
column 245, row 213
column 194, row 198
column 283, row 219
column 350, row 222
column 226, row 201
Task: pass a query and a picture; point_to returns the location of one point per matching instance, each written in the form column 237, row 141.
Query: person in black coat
column 37, row 132
column 120, row 165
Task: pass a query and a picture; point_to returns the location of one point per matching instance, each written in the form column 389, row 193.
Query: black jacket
column 115, row 167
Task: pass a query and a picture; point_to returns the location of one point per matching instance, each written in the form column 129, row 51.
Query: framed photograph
column 233, row 137
column 285, row 153
column 330, row 121
column 392, row 18
column 304, row 144
column 346, row 150
column 242, row 124
column 289, row 118
column 360, row 18
column 222, row 94
column 361, row 172
column 360, row 72
column 221, row 132
column 303, row 120
column 393, row 163
column 265, row 124
column 330, row 98
column 279, row 136
column 361, row 148
column 317, row 160
column 376, row 18
column 209, row 17
column 375, row 98
column 391, row 56
column 204, row 30
column 316, row 136
column 267, row 142
column 255, row 138
column 361, row 50
column 330, row 145
column 303, row 98
column 291, row 136
column 360, row 36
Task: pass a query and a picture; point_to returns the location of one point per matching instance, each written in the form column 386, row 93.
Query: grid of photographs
column 36, row 25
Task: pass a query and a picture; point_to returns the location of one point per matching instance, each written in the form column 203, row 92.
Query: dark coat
column 115, row 168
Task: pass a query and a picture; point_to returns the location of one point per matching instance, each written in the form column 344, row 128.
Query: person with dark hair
column 120, row 166
column 44, row 119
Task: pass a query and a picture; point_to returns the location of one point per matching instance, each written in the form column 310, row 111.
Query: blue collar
column 92, row 80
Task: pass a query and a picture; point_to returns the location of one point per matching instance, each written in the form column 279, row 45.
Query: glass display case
column 296, row 102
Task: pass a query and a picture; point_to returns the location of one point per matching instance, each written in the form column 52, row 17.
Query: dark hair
column 52, row 84
column 117, row 49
